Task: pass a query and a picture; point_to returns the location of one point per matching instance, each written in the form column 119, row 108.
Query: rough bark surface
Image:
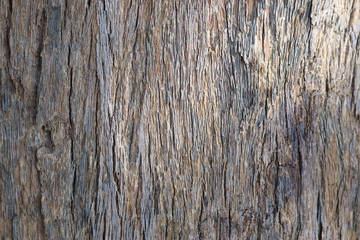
column 168, row 119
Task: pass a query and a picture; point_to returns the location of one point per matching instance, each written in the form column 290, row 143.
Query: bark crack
column 71, row 123
column 201, row 213
column 276, row 201
column 319, row 217
column 8, row 47
column 40, row 49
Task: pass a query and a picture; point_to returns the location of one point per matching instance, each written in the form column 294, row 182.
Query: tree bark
column 169, row 119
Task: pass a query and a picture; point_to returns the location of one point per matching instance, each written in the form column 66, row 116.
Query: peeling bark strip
column 179, row 119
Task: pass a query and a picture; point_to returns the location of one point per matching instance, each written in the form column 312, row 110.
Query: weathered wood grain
column 179, row 119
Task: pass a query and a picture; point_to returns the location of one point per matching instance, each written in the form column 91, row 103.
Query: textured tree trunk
column 165, row 119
